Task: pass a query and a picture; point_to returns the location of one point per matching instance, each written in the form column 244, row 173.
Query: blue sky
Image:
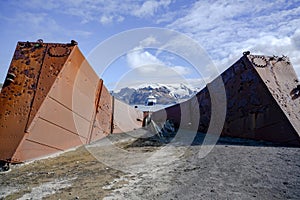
column 223, row 28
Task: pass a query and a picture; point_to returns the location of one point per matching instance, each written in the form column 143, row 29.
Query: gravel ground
column 124, row 167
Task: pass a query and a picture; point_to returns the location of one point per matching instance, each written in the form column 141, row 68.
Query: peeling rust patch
column 16, row 97
column 51, row 67
column 59, row 51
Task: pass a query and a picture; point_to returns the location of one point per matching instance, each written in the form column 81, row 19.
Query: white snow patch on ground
column 48, row 188
column 5, row 191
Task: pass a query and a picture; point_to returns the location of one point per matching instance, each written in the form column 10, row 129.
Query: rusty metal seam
column 37, row 114
column 19, row 146
column 44, row 144
column 37, row 82
column 96, row 111
column 88, row 120
column 15, row 159
column 61, row 127
column 112, row 115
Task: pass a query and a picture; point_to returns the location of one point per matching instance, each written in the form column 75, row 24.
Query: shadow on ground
column 158, row 140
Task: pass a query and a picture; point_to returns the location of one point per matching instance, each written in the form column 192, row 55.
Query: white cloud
column 181, row 70
column 145, row 67
column 168, row 17
column 148, row 8
column 80, row 33
column 37, row 23
column 106, row 19
column 32, row 4
column 225, row 29
column 138, row 58
column 152, row 73
column 146, row 63
column 23, row 20
column 148, row 41
column 296, row 39
column 264, row 45
column 105, row 12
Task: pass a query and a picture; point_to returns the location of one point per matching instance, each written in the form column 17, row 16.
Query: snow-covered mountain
column 164, row 93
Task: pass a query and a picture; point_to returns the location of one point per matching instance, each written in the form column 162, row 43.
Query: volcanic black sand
column 124, row 167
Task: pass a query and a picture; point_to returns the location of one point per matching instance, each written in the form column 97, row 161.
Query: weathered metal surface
column 54, row 135
column 85, row 90
column 76, row 89
column 31, row 150
column 104, row 114
column 17, row 95
column 103, row 119
column 53, row 100
column 253, row 110
column 52, row 63
column 48, row 102
column 59, row 115
column 126, row 118
column 280, row 78
column 260, row 104
column 68, row 110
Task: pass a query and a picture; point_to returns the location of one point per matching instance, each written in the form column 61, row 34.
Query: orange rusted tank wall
column 103, row 120
column 53, row 61
column 260, row 102
column 20, row 91
column 125, row 118
column 51, row 101
column 16, row 97
column 61, row 122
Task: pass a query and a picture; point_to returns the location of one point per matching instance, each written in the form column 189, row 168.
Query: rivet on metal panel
column 10, row 77
column 295, row 93
column 39, row 43
column 27, row 44
column 73, row 43
column 246, row 53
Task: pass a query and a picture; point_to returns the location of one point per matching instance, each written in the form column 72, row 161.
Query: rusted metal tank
column 52, row 100
column 126, row 118
column 262, row 102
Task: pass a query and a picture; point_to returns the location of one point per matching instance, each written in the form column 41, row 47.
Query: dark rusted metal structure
column 262, row 102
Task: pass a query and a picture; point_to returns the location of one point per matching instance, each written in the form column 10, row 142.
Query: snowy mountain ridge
column 165, row 93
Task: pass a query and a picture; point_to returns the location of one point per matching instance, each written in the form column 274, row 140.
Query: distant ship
column 151, row 100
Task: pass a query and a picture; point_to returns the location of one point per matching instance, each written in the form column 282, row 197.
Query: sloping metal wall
column 51, row 101
column 126, row 118
column 103, row 120
column 260, row 104
column 22, row 92
column 281, row 81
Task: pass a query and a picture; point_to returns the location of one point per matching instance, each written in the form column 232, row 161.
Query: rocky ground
column 136, row 166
